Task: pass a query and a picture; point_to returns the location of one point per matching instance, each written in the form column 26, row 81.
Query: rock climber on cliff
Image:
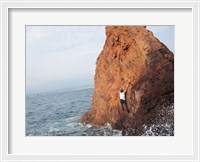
column 122, row 96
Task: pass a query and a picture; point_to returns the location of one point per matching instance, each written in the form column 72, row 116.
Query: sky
column 64, row 57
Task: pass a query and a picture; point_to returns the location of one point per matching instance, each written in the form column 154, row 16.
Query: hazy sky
column 62, row 57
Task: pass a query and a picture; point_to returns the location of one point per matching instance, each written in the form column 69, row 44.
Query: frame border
column 5, row 5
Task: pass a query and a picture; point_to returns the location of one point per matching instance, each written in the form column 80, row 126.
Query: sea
column 57, row 114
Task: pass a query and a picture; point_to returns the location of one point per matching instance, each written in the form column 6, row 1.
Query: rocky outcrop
column 132, row 56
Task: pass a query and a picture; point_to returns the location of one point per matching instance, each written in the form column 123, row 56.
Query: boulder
column 132, row 56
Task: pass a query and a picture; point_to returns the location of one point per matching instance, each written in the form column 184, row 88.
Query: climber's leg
column 121, row 101
column 126, row 107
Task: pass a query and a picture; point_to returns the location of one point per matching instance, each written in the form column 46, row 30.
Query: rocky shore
column 133, row 56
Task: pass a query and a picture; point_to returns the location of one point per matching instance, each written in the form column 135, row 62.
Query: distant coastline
column 77, row 89
column 62, row 90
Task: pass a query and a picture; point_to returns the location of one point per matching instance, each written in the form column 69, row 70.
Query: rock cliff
column 132, row 56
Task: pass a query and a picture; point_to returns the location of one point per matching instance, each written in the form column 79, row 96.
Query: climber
column 123, row 98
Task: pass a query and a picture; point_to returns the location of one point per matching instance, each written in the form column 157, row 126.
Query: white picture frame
column 7, row 95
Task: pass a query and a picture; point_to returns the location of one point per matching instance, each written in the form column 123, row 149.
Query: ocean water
column 58, row 113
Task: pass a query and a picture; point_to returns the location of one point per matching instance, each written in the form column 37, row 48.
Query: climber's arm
column 127, row 86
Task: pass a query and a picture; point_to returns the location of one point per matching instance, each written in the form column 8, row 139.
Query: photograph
column 99, row 80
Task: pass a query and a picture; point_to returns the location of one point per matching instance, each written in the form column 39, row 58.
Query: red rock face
column 131, row 56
